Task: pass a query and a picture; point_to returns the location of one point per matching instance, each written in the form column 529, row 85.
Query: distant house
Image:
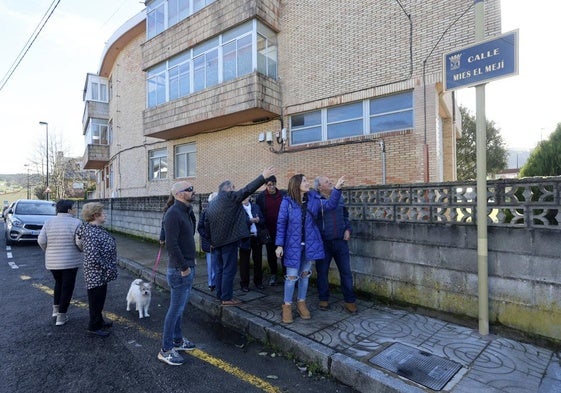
column 220, row 89
column 511, row 173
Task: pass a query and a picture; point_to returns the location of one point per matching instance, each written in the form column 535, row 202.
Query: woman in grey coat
column 62, row 257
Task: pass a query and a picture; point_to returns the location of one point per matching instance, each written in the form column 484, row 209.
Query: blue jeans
column 180, row 288
column 303, row 280
column 337, row 249
column 210, row 269
column 226, row 258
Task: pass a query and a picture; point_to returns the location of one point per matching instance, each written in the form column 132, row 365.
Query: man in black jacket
column 179, row 228
column 226, row 225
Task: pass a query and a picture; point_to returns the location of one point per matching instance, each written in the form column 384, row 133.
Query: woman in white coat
column 62, row 257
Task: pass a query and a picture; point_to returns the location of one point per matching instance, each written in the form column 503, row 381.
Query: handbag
column 264, row 236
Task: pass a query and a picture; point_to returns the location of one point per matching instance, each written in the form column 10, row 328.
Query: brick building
column 220, row 89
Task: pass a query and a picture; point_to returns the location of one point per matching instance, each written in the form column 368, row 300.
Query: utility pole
column 44, row 123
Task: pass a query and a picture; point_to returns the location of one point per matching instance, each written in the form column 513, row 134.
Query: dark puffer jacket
column 289, row 227
column 225, row 218
column 205, row 243
column 333, row 223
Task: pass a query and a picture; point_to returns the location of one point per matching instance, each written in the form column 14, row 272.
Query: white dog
column 140, row 293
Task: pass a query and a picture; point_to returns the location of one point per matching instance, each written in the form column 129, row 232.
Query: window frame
column 402, row 113
column 161, row 157
column 161, row 14
column 96, row 130
column 187, row 157
column 206, row 65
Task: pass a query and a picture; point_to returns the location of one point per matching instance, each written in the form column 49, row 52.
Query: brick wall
column 329, row 53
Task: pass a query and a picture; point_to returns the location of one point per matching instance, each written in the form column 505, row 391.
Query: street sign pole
column 481, row 157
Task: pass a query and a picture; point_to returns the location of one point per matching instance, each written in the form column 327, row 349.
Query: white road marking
column 13, row 265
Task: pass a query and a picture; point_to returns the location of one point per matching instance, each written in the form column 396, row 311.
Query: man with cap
column 226, row 224
column 179, row 228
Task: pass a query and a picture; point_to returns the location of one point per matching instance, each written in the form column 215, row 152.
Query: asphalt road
column 37, row 356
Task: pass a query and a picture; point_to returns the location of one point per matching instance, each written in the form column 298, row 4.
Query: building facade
column 212, row 90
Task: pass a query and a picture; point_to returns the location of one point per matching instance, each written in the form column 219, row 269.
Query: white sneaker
column 171, row 357
column 61, row 319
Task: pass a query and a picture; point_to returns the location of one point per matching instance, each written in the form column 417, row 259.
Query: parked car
column 25, row 218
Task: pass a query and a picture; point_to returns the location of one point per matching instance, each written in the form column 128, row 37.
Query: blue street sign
column 482, row 62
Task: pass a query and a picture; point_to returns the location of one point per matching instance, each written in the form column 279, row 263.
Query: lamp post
column 28, row 189
column 44, row 123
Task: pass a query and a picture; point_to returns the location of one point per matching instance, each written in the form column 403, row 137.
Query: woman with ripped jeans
column 299, row 240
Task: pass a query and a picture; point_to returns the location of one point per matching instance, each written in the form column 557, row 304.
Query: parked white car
column 25, row 218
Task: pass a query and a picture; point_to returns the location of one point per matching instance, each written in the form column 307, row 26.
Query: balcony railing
column 516, row 203
column 96, row 156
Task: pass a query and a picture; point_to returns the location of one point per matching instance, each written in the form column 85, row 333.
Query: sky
column 48, row 83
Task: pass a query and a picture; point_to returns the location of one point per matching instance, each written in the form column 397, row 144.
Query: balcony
column 96, row 156
column 250, row 98
column 94, row 109
column 208, row 22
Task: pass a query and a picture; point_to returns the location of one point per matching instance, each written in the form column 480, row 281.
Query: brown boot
column 287, row 313
column 351, row 307
column 302, row 309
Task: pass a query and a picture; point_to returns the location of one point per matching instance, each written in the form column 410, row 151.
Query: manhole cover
column 427, row 369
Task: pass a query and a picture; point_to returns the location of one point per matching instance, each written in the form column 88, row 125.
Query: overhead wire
column 29, row 43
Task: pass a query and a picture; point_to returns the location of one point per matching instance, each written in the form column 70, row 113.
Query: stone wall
column 417, row 244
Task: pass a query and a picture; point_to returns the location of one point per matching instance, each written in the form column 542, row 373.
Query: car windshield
column 36, row 209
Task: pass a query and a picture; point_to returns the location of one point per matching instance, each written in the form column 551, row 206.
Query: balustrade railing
column 518, row 203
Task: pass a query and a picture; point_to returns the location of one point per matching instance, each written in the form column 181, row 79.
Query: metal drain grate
column 427, row 369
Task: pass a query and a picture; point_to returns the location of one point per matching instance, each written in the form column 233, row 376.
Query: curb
column 346, row 370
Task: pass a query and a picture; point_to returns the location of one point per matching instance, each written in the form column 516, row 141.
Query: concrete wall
column 435, row 266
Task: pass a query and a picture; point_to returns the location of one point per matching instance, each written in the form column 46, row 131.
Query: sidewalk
column 379, row 349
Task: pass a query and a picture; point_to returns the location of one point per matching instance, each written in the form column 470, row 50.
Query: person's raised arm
column 268, row 172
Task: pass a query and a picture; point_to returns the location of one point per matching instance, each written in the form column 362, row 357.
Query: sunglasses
column 188, row 189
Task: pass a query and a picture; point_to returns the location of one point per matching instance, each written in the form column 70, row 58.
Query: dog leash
column 155, row 268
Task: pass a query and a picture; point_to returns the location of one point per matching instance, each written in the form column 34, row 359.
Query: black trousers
column 65, row 281
column 256, row 253
column 272, row 259
column 96, row 300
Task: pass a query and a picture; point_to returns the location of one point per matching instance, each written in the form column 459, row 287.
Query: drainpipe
column 383, row 146
column 481, row 156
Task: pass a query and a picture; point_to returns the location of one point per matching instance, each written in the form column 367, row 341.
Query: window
column 220, row 59
column 162, row 14
column 109, row 177
column 205, row 65
column 98, row 91
column 266, row 51
column 158, row 164
column 391, row 113
column 179, row 77
column 305, row 128
column 177, row 11
column 155, row 18
column 388, row 113
column 236, row 51
column 185, row 160
column 156, row 86
column 344, row 121
column 98, row 133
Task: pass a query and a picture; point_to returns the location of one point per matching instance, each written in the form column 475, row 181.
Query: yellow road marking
column 197, row 353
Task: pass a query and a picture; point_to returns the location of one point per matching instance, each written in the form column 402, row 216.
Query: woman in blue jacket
column 298, row 239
